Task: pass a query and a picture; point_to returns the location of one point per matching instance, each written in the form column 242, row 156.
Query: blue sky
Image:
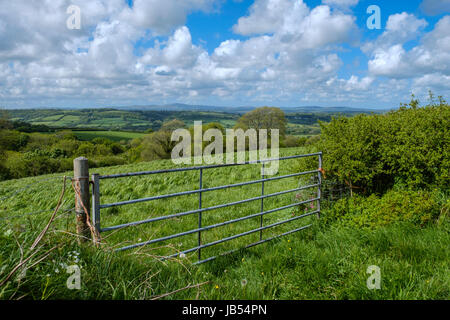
column 227, row 53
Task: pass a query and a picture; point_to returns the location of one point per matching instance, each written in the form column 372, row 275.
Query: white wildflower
column 7, row 233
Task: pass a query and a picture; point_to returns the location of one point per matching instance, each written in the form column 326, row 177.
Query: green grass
column 111, row 135
column 302, row 130
column 323, row 262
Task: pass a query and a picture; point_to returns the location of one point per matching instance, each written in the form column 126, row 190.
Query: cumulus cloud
column 431, row 55
column 426, row 65
column 179, row 51
column 44, row 60
column 286, row 51
column 269, row 16
column 163, row 16
column 389, row 62
column 400, row 28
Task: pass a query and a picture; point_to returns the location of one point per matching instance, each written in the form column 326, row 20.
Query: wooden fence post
column 81, row 182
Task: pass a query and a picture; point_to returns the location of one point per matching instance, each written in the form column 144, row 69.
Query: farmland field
column 111, row 135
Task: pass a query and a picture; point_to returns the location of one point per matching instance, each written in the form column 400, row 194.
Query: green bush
column 105, row 161
column 372, row 153
column 12, row 140
column 417, row 207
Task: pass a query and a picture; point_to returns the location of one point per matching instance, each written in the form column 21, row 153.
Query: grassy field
column 302, row 130
column 322, row 262
column 111, row 135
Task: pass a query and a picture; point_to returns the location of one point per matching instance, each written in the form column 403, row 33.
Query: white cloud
column 269, row 16
column 163, row 16
column 389, row 62
column 400, row 28
column 435, row 80
column 389, row 58
column 179, row 51
column 289, row 52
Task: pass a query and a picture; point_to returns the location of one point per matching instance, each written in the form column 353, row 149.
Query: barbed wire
column 72, row 209
column 21, row 190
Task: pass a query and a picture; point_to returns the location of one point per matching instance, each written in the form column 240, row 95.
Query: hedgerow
column 372, row 153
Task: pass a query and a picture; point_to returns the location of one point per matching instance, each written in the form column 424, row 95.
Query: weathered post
column 81, row 183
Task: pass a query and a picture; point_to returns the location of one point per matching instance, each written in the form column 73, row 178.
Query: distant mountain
column 331, row 109
column 176, row 107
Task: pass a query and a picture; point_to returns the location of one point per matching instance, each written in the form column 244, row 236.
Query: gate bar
column 240, row 235
column 221, row 225
column 181, row 214
column 262, row 201
column 184, row 193
column 200, row 215
column 253, row 244
column 142, row 173
column 96, row 201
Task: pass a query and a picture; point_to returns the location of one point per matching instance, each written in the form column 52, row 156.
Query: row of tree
column 159, row 144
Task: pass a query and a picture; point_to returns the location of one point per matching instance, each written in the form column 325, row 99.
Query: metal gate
column 97, row 206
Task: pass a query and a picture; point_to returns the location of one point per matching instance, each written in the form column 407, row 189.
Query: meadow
column 116, row 136
column 326, row 261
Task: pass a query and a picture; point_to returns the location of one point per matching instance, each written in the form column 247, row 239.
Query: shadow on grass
column 231, row 260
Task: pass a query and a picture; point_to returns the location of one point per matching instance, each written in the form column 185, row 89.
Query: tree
column 5, row 123
column 172, row 125
column 264, row 118
column 207, row 141
column 159, row 144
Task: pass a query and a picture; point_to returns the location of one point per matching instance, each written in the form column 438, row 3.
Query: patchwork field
column 111, row 135
column 299, row 124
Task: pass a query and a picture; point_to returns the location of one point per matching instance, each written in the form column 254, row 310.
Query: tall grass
column 323, row 262
column 318, row 263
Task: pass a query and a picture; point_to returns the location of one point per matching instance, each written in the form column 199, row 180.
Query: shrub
column 105, row 161
column 292, row 142
column 12, row 140
column 417, row 207
column 313, row 140
column 373, row 152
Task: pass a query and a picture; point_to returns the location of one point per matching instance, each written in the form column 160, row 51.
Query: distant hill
column 244, row 109
column 229, row 109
